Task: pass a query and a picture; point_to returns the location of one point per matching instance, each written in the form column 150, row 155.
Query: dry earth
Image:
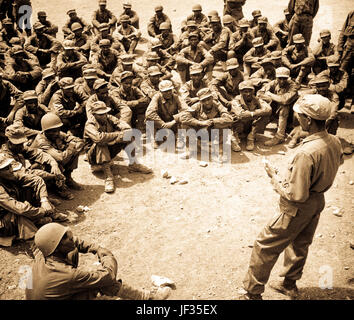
column 199, row 234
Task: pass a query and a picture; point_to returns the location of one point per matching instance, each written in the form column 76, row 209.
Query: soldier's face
column 155, row 79
column 247, row 94
column 52, row 134
column 68, row 92
column 125, row 24
column 104, row 33
column 192, row 28
column 259, row 49
column 233, row 72
column 268, row 69
column 197, row 13
column 282, row 82
column 101, row 118
column 127, row 10
column 105, row 49
column 193, row 41
column 304, row 121
column 32, row 105
column 103, row 91
column 7, row 174
column 73, row 16
column 326, row 40
column 127, row 83
column 66, row 244
column 159, row 13
column 262, row 26
column 299, row 46
column 102, row 7
column 78, row 32
column 207, row 103
column 197, row 77
column 165, row 33
column 167, row 94
column 42, row 19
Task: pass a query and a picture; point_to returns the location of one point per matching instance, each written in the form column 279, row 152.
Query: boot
column 235, row 140
column 250, row 296
column 250, row 144
column 128, row 292
column 64, row 193
column 273, row 142
column 286, row 287
column 138, row 167
column 109, row 183
column 71, row 183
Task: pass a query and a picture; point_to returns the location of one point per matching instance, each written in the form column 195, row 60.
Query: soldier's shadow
column 316, row 293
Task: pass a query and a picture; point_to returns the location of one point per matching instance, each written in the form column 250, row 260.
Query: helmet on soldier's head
column 228, row 19
column 165, row 85
column 197, row 7
column 165, row 26
column 50, row 121
column 124, row 18
column 155, row 43
column 48, row 237
column 76, row 26
column 256, row 13
column 154, row 71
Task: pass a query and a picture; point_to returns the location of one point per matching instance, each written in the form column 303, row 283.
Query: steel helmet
column 50, row 121
column 48, row 237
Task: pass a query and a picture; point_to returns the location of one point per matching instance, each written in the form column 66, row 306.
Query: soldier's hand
column 102, row 252
column 271, row 171
column 55, row 170
column 169, row 125
column 47, row 206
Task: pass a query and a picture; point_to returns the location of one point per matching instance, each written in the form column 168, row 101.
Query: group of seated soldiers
column 84, row 94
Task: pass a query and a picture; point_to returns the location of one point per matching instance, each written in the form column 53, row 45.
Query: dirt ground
column 200, row 234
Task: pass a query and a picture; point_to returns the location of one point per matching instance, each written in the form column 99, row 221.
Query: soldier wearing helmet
column 133, row 16
column 104, row 34
column 169, row 41
column 128, row 35
column 197, row 16
column 73, row 17
column 81, row 40
column 57, row 274
column 155, row 21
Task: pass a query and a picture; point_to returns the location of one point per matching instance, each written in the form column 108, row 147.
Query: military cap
column 68, row 45
column 66, row 83
column 320, row 78
column 245, row 85
column 262, row 19
column 102, row 1
column 332, row 61
column 124, row 18
column 152, row 56
column 29, row 95
column 165, row 26
column 215, row 19
column 5, row 161
column 256, row 13
column 70, row 11
column 227, row 19
column 99, row 107
column 195, row 69
column 191, row 23
column 314, row 105
column 257, row 42
column 15, row 134
column 127, row 4
column 243, row 23
column 47, row 72
column 41, row 14
column 204, row 93
column 7, row 21
column 298, row 38
column 16, row 50
column 155, row 43
column 90, row 74
column 282, row 72
column 158, row 8
column 197, row 7
column 127, row 59
column 194, row 34
column 103, row 26
column 213, row 13
column 286, row 11
column 15, row 40
column 104, row 42
column 232, row 64
column 165, row 85
column 99, row 83
column 126, row 75
column 3, row 47
column 275, row 55
column 76, row 26
column 38, row 26
column 266, row 61
column 325, row 33
column 154, row 71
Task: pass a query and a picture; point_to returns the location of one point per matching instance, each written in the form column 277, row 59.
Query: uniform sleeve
column 92, row 133
column 224, row 120
column 152, row 111
column 341, row 85
column 264, row 110
column 188, row 117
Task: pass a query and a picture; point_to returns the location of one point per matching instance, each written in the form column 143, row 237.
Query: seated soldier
column 169, row 41
column 133, row 16
column 104, row 34
column 8, row 32
column 70, row 61
column 81, row 40
column 166, row 59
column 250, row 115
column 29, row 116
column 265, row 31
column 57, row 275
column 150, row 86
column 50, row 28
column 226, row 85
column 73, row 17
column 159, row 17
column 277, row 60
column 132, row 96
column 324, row 50
column 69, row 105
column 298, row 58
column 44, row 46
column 234, row 8
column 192, row 54
column 47, row 86
column 105, row 60
column 104, row 134
column 183, row 38
column 254, row 22
column 103, row 15
column 117, row 109
column 190, row 89
column 253, row 57
column 127, row 34
column 281, row 93
column 263, row 75
column 63, row 147
column 84, row 85
column 281, row 29
column 197, row 16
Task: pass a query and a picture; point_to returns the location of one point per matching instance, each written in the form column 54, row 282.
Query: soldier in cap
column 200, row 19
column 226, row 85
column 127, row 34
column 50, row 28
column 255, row 14
column 169, row 41
column 69, row 105
column 81, row 40
column 153, row 27
column 104, row 134
column 253, row 57
column 250, row 115
column 282, row 28
column 70, row 61
column 298, row 58
column 310, row 174
column 191, row 27
column 265, row 31
column 57, row 275
column 101, row 93
column 103, row 15
column 133, row 16
column 190, row 89
column 303, row 12
column 240, row 42
column 263, row 75
column 276, row 57
column 63, row 147
column 150, row 86
column 48, row 85
column 130, row 95
column 165, row 59
column 8, row 32
column 21, row 70
column 323, row 51
column 234, row 8
column 194, row 53
column 281, row 93
column 104, row 34
column 73, row 17
column 84, row 85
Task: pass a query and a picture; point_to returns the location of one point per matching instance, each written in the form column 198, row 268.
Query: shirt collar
column 315, row 136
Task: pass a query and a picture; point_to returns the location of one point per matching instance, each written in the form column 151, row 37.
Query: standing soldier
column 103, row 15
column 303, row 12
column 234, row 8
column 72, row 19
column 311, row 173
column 133, row 16
column 153, row 26
column 50, row 28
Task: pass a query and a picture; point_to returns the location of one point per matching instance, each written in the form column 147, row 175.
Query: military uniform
column 105, row 16
column 105, row 64
column 82, row 43
column 47, row 87
column 323, row 52
column 8, row 90
column 270, row 40
column 281, row 30
column 169, row 42
column 234, row 8
column 129, row 37
column 133, row 17
column 67, row 26
column 153, row 27
column 115, row 44
column 70, row 66
column 6, row 34
column 252, row 58
column 189, row 91
column 30, row 122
